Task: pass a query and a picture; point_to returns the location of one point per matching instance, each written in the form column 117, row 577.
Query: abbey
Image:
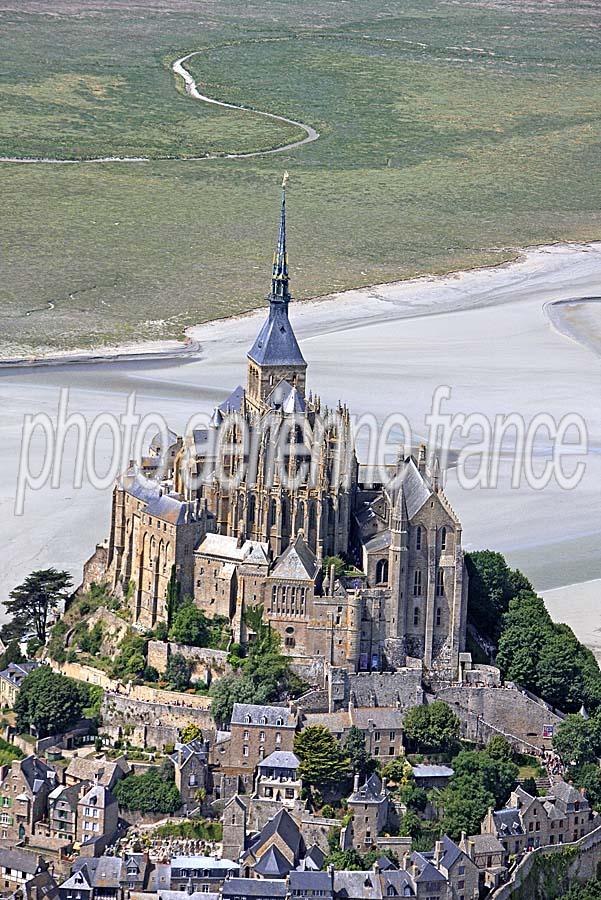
column 260, row 507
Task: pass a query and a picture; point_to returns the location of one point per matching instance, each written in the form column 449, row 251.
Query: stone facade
column 247, row 509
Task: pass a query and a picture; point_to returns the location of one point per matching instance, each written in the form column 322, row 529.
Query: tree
column 398, row 771
column 576, row 740
column 190, row 733
column 11, row 654
column 48, row 703
column 498, row 776
column 345, row 861
column 322, row 762
column 31, row 602
column 354, row 748
column 492, row 584
column 131, row 659
column 499, row 748
column 265, row 676
column 148, row 793
column 173, row 596
column 178, row 672
column 465, row 805
column 433, row 728
column 190, row 626
column 588, row 777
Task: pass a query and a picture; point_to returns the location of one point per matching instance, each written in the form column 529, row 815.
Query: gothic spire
column 280, row 290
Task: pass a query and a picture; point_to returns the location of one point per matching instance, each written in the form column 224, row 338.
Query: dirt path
column 179, row 69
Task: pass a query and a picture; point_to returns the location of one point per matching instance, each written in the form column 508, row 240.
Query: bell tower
column 275, row 354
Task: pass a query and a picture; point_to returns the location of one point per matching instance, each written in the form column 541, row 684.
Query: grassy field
column 451, row 133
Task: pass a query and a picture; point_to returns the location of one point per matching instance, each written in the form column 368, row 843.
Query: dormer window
column 247, row 719
column 263, row 720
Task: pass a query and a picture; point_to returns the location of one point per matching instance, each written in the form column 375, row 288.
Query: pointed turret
column 275, row 355
column 280, row 283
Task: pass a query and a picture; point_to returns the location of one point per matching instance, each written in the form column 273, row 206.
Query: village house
column 18, row 866
column 102, row 771
column 11, row 680
column 190, row 762
column 24, row 790
column 97, row 818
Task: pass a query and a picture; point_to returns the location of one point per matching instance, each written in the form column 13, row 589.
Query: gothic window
column 443, row 538
column 417, row 583
column 382, row 571
column 416, row 615
column 440, row 583
column 272, row 513
column 438, row 616
column 418, row 538
column 312, row 516
column 252, row 504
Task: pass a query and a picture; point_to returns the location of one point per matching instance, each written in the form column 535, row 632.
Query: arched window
column 443, row 538
column 279, row 722
column 440, row 583
column 263, row 720
column 272, row 513
column 416, row 615
column 382, row 571
column 438, row 618
column 252, row 505
column 247, row 719
column 417, row 583
column 418, row 538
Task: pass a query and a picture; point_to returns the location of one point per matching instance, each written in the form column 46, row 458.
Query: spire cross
column 279, row 280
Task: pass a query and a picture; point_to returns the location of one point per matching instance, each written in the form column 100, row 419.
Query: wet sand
column 486, row 333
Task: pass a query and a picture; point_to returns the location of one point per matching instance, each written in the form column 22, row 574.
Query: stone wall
column 544, row 873
column 207, row 664
column 484, row 711
column 150, row 723
column 94, row 568
column 402, row 689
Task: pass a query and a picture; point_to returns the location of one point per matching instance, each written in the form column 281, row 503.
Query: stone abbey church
column 245, row 511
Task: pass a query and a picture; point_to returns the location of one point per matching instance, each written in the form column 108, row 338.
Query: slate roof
column 314, row 858
column 90, row 769
column 203, row 862
column 253, row 887
column 310, row 881
column 400, row 880
column 297, row 562
column 98, row 796
column 103, row 871
column 451, row 852
column 21, row 860
column 414, row 488
column 486, row 843
column 370, row 792
column 507, row 822
column 280, row 759
column 255, row 712
column 273, row 864
column 37, row 774
column 426, row 870
column 225, row 547
column 386, row 717
column 157, row 443
column 565, row 792
column 16, row 672
column 357, row 885
column 426, row 771
column 234, row 401
column 193, row 748
column 284, row 825
column 276, row 344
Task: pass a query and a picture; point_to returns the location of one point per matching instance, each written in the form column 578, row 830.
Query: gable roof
column 279, row 716
column 234, row 401
column 285, row 827
column 370, row 792
column 280, row 759
column 297, row 562
column 273, row 864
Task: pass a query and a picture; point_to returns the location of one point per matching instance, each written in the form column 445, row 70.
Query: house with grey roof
column 18, row 866
column 254, row 889
column 11, row 680
column 201, row 873
column 563, row 815
column 276, row 850
column 106, row 772
column 24, row 792
column 278, row 780
column 191, row 767
column 256, row 731
column 370, row 806
column 97, row 819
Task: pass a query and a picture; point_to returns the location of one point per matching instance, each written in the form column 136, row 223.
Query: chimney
column 332, row 579
column 180, row 756
column 405, row 860
column 356, row 783
column 421, row 459
column 438, row 853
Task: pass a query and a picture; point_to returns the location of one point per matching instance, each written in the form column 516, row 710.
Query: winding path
column 178, row 68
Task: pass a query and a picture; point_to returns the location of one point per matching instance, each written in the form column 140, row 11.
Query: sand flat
column 485, row 333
